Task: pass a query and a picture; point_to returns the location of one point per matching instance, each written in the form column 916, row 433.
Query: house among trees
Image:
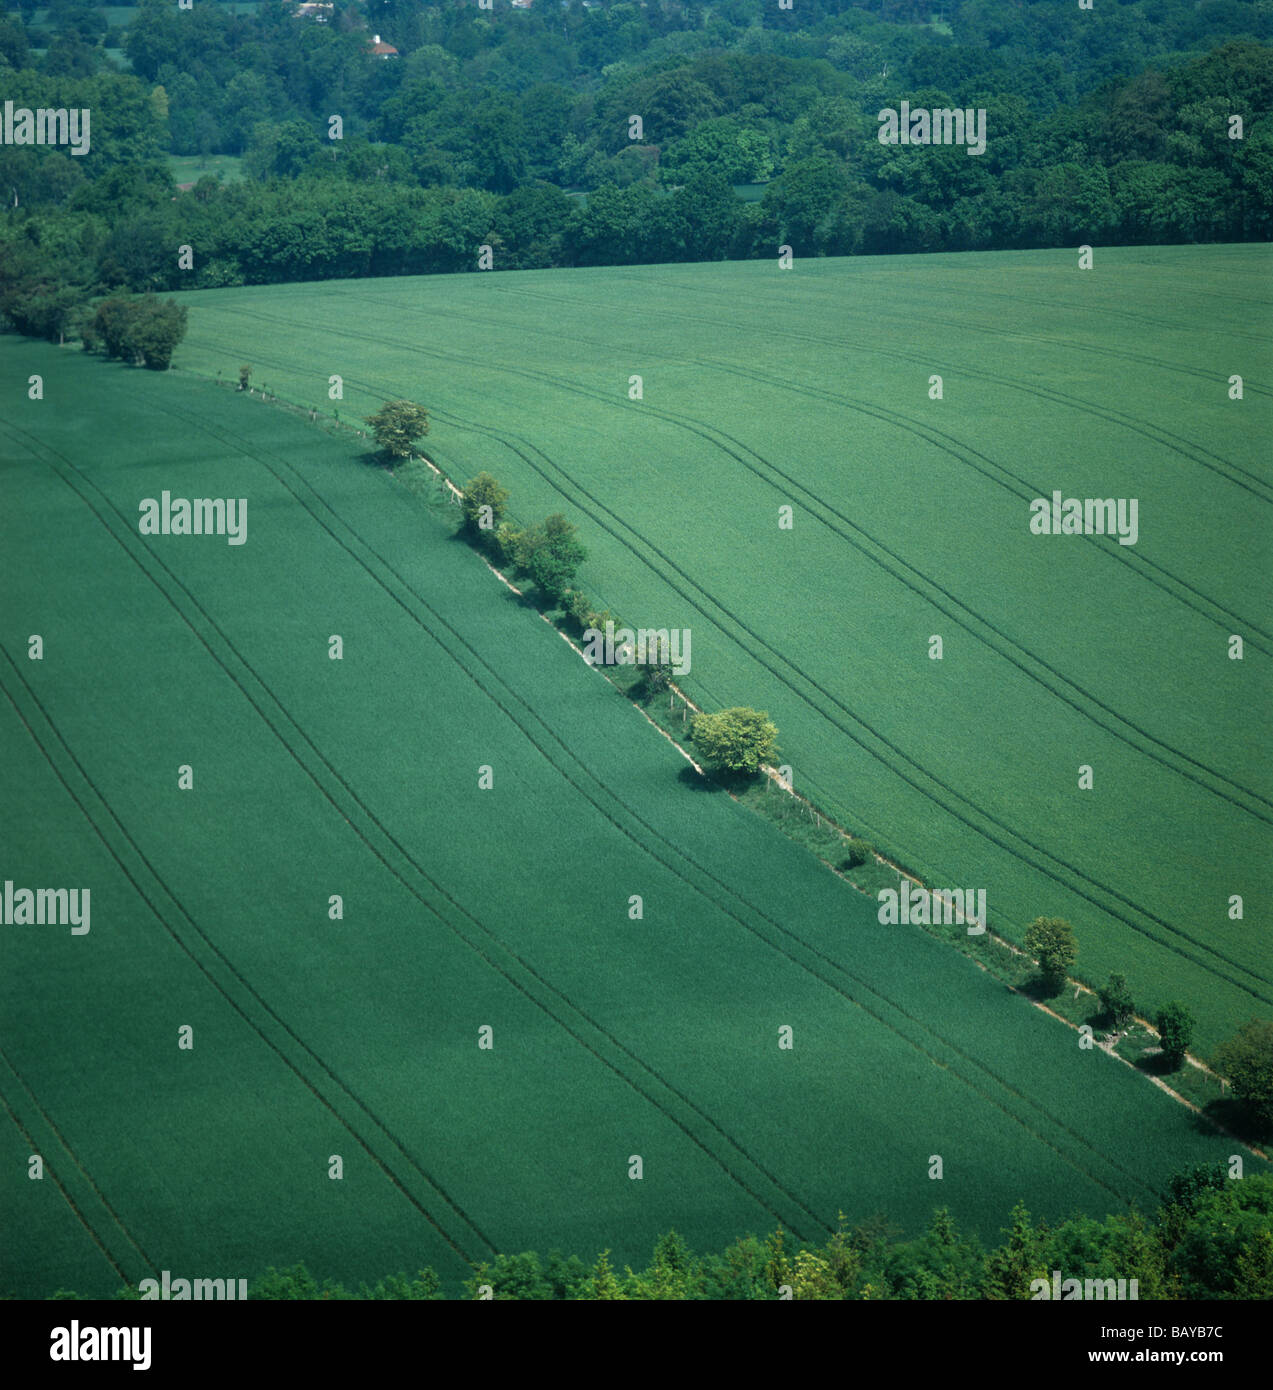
column 381, row 50
column 314, row 9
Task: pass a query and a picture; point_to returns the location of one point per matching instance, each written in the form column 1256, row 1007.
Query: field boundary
column 821, row 819
column 772, row 774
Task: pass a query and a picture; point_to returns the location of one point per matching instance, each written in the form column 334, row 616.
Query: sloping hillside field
column 221, row 1073
column 1089, row 745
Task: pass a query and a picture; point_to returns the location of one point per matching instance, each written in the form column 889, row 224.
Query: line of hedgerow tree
column 1212, row 1238
column 140, row 329
column 1245, row 1060
column 735, row 742
column 738, row 743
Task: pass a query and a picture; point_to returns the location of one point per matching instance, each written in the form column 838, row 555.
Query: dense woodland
column 1210, row 1239
column 510, row 129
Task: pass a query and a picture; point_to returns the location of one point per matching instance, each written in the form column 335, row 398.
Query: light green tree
column 397, row 425
column 479, row 493
column 736, row 740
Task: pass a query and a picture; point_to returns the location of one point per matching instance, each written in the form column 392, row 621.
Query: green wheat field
column 508, row 908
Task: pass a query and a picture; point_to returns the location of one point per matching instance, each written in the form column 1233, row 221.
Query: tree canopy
column 735, row 740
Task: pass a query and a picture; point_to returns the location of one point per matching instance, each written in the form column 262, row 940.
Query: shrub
column 859, row 853
column 483, row 492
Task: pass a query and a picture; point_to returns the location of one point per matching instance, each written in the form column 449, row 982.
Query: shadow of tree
column 1041, row 989
column 1157, row 1064
column 1235, row 1115
column 695, row 781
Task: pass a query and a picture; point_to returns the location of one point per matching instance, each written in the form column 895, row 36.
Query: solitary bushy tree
column 1050, row 940
column 735, row 740
column 1175, row 1030
column 397, row 425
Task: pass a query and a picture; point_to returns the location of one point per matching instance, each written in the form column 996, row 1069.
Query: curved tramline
column 720, row 885
column 954, row 446
column 847, row 344
column 969, row 809
column 1156, row 901
column 614, row 1036
column 352, row 803
column 165, row 921
column 244, row 446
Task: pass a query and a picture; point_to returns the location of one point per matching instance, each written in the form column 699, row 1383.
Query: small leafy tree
column 604, row 1284
column 579, row 606
column 505, row 543
column 1116, row 1000
column 1175, row 1030
column 553, row 573
column 1185, row 1189
column 551, row 554
column 653, row 678
column 426, row 1286
column 859, row 853
column 145, row 330
column 735, row 740
column 1247, row 1060
column 1050, row 940
column 86, row 328
column 1254, row 1270
column 245, row 376
column 483, row 503
column 397, row 425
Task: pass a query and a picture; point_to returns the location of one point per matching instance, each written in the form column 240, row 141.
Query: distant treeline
column 530, row 78
column 1212, row 1238
column 435, row 170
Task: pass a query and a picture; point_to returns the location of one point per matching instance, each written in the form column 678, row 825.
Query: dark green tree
column 158, row 326
column 1247, row 1060
column 1116, row 1000
column 1175, row 1025
column 551, row 554
column 1011, row 1268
